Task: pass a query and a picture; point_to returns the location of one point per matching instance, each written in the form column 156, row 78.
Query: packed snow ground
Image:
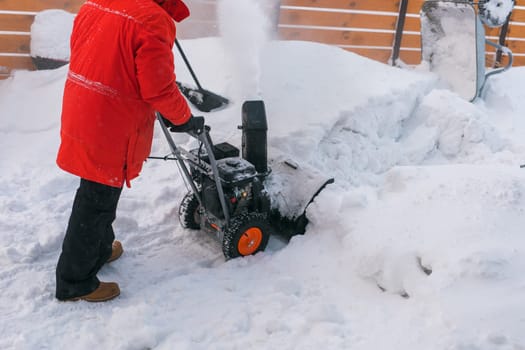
column 418, row 245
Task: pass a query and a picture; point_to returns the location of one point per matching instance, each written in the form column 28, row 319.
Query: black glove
column 194, row 124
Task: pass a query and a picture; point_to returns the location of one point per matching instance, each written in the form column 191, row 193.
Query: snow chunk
column 50, row 34
column 458, row 125
column 494, row 13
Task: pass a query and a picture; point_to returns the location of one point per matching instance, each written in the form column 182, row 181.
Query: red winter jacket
column 121, row 71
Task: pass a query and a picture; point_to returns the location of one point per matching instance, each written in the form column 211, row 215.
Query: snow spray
column 245, row 29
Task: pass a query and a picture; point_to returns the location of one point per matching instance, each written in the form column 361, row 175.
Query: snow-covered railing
column 369, row 27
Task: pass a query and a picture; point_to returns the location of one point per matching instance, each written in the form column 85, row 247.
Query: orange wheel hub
column 250, row 241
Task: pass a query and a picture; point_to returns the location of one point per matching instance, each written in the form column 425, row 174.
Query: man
column 121, row 71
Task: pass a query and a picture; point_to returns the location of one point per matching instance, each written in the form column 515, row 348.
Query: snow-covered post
column 50, row 33
column 502, row 37
column 400, row 26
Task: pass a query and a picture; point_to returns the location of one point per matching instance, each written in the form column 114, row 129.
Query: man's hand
column 194, row 124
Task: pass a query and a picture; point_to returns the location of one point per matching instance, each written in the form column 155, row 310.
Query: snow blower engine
column 230, row 195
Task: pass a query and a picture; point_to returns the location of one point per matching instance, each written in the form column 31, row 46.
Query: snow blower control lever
column 228, row 194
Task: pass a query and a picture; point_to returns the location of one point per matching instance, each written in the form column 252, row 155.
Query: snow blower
column 243, row 199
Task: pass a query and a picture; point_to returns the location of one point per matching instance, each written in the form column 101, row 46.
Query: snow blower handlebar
column 200, row 131
column 193, row 125
column 175, row 151
column 505, row 50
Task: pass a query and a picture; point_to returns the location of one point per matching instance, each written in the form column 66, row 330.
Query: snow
column 50, row 33
column 417, row 245
column 494, row 13
column 244, row 46
column 449, row 45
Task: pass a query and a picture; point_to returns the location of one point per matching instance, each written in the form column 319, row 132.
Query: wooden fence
column 16, row 17
column 367, row 27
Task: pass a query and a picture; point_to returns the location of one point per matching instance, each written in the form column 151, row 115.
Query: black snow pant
column 88, row 239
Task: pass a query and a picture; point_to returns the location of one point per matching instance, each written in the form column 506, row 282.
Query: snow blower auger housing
column 228, row 194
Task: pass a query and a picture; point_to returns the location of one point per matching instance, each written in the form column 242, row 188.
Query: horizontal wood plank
column 201, row 10
column 408, row 57
column 35, row 6
column 412, row 24
column 517, row 47
column 518, row 61
column 191, row 29
column 411, row 42
column 344, row 20
column 414, row 57
column 518, row 15
column 492, row 32
column 14, row 43
column 347, row 37
column 490, row 59
column 337, row 19
column 361, row 5
column 8, row 63
column 16, row 23
column 516, row 31
column 374, row 54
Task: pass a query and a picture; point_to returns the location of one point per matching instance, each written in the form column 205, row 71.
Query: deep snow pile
column 424, row 182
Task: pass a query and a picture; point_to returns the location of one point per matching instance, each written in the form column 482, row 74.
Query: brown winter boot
column 105, row 291
column 116, row 251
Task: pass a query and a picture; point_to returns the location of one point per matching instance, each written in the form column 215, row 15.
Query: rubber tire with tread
column 238, row 225
column 189, row 212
